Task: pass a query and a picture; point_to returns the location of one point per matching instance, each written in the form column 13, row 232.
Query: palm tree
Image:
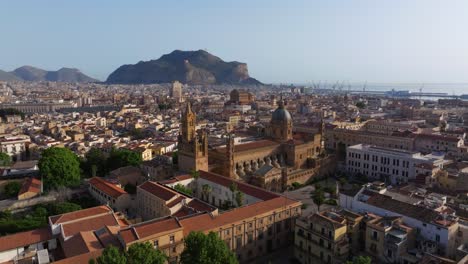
column 206, row 189
column 195, row 174
column 233, row 187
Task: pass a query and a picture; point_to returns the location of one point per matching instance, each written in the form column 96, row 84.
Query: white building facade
column 395, row 166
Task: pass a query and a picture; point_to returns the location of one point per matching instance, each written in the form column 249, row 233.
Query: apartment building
column 432, row 227
column 395, row 166
column 388, row 239
column 109, row 194
column 321, row 238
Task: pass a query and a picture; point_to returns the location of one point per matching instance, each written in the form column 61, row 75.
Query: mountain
column 69, row 75
column 29, row 73
column 7, row 76
column 191, row 67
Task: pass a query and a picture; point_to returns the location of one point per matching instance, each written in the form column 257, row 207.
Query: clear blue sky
column 282, row 41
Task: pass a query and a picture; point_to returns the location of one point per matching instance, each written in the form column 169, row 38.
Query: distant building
column 14, row 145
column 176, row 91
column 395, row 166
column 241, row 97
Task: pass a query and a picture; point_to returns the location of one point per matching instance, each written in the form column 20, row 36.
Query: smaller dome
column 281, row 114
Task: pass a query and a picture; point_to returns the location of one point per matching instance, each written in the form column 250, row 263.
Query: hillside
column 29, row 73
column 191, row 67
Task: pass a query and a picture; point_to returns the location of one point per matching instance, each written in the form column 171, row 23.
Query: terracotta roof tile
column 107, row 187
column 81, row 243
column 149, row 228
column 24, row 238
column 83, row 258
column 89, row 224
column 158, row 190
column 30, row 185
column 205, row 222
column 251, row 145
column 93, row 211
column 251, row 190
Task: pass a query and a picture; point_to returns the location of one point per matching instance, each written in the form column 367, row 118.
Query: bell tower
column 192, row 145
column 229, row 168
column 188, row 123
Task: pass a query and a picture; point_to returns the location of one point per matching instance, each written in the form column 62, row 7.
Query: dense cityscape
column 278, row 173
column 234, row 132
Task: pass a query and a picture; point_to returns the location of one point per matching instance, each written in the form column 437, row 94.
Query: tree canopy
column 360, row 260
column 112, row 255
column 318, row 198
column 144, row 253
column 123, row 157
column 59, row 167
column 206, row 249
column 5, row 160
column 96, row 159
column 138, row 253
column 10, row 111
column 12, row 188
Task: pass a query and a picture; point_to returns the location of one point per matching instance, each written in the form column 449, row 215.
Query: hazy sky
column 282, row 41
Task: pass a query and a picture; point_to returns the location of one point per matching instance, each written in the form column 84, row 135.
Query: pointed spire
column 189, row 108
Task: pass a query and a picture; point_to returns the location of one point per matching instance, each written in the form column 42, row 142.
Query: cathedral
column 273, row 162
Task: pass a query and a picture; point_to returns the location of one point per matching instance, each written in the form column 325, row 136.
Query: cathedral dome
column 281, row 114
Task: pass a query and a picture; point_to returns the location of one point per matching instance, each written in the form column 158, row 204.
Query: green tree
column 360, row 260
column 196, row 175
column 130, row 188
column 233, row 188
column 239, row 198
column 112, row 255
column 206, row 190
column 59, row 167
column 123, row 157
column 12, row 188
column 179, row 187
column 5, row 160
column 175, row 157
column 360, row 105
column 318, row 198
column 206, row 249
column 144, row 253
column 10, row 111
column 65, row 207
column 95, row 163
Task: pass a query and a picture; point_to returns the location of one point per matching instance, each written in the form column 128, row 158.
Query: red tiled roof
column 245, row 188
column 176, row 201
column 158, row 190
column 83, row 258
column 30, row 185
column 205, row 222
column 149, row 228
column 251, row 145
column 24, row 238
column 93, row 211
column 107, row 187
column 81, row 243
column 89, row 224
column 183, row 177
column 200, row 206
